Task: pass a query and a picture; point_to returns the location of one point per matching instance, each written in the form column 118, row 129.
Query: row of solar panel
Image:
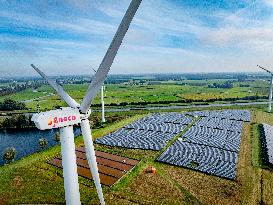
column 268, row 132
column 157, row 127
column 223, row 139
column 242, row 115
column 206, row 159
column 225, row 124
column 172, row 117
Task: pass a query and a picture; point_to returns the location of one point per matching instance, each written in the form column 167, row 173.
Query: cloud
column 164, row 36
column 238, row 36
column 80, row 25
column 268, row 2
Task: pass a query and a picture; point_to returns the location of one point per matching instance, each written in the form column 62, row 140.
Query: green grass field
column 32, row 180
column 168, row 91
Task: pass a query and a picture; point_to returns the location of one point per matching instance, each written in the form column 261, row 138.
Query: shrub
column 43, row 142
column 9, row 154
column 194, row 164
column 57, row 137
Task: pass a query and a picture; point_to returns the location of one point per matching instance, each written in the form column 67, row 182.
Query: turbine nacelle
column 63, row 117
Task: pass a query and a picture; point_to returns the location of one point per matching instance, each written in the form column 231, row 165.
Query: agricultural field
column 32, row 180
column 155, row 93
column 27, row 94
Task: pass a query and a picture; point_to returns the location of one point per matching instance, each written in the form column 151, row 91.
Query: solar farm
column 211, row 155
column 211, row 144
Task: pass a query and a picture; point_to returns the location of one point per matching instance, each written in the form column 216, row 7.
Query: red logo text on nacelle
column 57, row 120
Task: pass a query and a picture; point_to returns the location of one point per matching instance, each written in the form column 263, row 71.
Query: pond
column 27, row 141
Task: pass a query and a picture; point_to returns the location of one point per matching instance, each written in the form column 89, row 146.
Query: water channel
column 27, row 141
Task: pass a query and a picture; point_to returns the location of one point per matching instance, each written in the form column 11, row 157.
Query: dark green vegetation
column 32, row 180
column 10, row 105
column 9, row 154
column 227, row 84
column 16, row 121
column 43, row 143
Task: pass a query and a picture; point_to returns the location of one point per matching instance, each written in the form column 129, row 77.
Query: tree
column 43, row 142
column 9, row 122
column 22, row 121
column 9, row 154
column 57, row 137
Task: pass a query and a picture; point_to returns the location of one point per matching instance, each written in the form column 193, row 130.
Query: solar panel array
column 267, row 142
column 203, row 158
column 152, row 132
column 220, row 138
column 211, row 145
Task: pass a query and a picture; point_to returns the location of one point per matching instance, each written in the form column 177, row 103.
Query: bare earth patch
column 17, row 182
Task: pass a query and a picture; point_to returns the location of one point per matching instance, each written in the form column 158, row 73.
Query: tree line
column 227, row 84
column 17, row 121
column 17, row 87
column 10, row 105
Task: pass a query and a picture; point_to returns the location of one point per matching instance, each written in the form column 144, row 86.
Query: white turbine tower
column 102, row 101
column 270, row 90
column 65, row 118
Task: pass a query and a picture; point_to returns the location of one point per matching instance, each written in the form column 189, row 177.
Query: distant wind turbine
column 270, row 90
column 66, row 117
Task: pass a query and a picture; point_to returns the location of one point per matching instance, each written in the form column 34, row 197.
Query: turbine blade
column 61, row 92
column 108, row 59
column 91, row 157
column 265, row 69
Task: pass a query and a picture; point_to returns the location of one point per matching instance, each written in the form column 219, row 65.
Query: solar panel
column 212, row 144
column 152, row 132
column 211, row 160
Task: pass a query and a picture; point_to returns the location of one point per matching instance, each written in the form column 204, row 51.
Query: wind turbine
column 270, row 90
column 102, row 101
column 65, row 118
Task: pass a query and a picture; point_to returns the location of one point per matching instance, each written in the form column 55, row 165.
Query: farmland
column 156, row 93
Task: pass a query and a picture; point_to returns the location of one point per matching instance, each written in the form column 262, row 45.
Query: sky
column 67, row 37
